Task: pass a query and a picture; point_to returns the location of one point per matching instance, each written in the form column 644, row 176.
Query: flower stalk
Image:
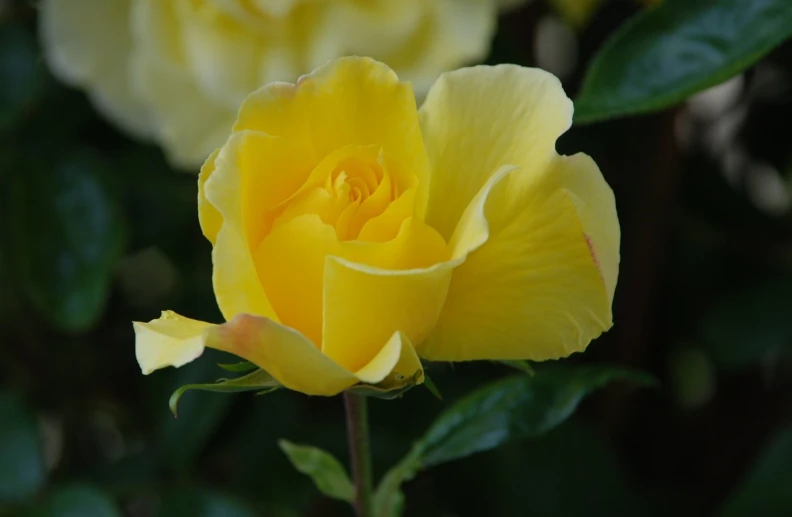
column 359, row 452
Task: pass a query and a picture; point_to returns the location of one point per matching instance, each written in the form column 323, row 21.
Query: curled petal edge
column 294, row 361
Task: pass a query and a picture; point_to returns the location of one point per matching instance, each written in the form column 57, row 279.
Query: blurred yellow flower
column 353, row 233
column 175, row 71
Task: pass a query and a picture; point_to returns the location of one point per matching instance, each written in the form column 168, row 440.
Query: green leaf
column 750, row 325
column 670, row 52
column 202, row 503
column 327, row 473
column 78, row 501
column 256, row 381
column 766, row 490
column 513, row 409
column 66, row 235
column 389, row 498
column 523, row 366
column 267, row 391
column 432, row 387
column 22, row 72
column 242, row 366
column 21, row 465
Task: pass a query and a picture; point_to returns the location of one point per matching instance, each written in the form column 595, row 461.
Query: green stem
column 359, row 452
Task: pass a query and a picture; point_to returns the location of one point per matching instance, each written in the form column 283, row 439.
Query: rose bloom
column 175, row 71
column 354, row 234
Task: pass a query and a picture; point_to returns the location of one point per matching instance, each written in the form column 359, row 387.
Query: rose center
column 354, row 179
column 356, row 190
column 351, row 190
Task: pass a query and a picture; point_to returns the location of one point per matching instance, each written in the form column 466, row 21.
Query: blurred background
column 99, row 231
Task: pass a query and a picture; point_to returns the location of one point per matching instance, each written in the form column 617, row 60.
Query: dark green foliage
column 99, row 231
column 676, row 49
column 21, row 463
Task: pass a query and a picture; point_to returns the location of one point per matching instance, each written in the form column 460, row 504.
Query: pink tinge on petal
column 241, row 335
column 593, row 253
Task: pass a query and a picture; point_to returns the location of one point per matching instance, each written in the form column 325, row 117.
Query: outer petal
column 297, row 364
column 349, row 101
column 236, row 285
column 596, row 208
column 171, row 340
column 248, row 170
column 395, row 362
column 284, row 353
column 251, row 171
column 89, row 43
column 365, row 304
column 533, row 289
column 208, row 216
column 293, row 266
column 477, row 119
column 174, row 340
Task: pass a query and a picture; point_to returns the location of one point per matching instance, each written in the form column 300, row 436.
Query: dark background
column 97, row 231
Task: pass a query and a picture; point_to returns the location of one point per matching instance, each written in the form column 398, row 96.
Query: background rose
column 175, row 71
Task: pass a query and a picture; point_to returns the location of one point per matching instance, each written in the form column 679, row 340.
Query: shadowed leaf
column 676, row 49
column 257, row 381
column 327, row 473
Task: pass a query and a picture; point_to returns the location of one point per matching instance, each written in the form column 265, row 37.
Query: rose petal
column 81, row 51
column 477, row 119
column 533, row 289
column 284, row 353
column 349, row 101
column 171, row 340
column 293, row 264
column 596, row 208
column 208, row 216
column 252, row 172
column 383, row 288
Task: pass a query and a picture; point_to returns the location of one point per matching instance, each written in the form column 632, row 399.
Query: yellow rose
column 353, row 233
column 175, row 71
